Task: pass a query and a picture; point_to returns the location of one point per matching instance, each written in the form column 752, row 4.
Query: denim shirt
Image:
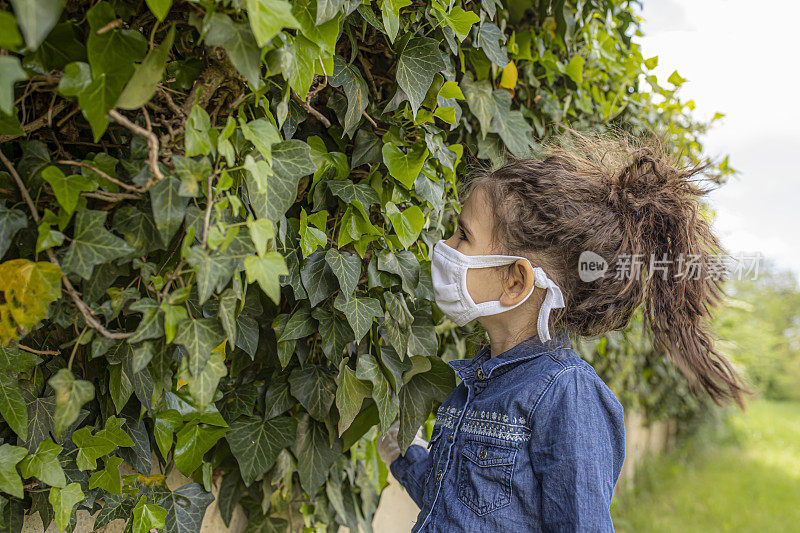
column 530, row 440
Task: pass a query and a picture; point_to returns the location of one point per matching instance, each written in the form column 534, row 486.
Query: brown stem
column 152, row 145
column 209, row 204
column 111, row 196
column 102, row 174
column 319, row 116
column 37, row 352
column 36, row 124
column 170, row 279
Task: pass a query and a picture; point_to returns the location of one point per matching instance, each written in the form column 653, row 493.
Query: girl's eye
column 463, row 235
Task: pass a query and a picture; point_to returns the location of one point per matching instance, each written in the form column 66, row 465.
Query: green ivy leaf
column 147, row 516
column 360, row 312
column 120, row 387
column 300, row 59
column 268, row 17
column 266, row 270
column 239, row 42
column 11, row 221
column 142, row 86
column 359, row 194
column 44, row 465
column 109, row 479
column 480, row 100
column 315, row 454
column 64, row 501
column 574, row 69
column 278, row 400
column 489, row 39
column 315, row 388
column 185, row 507
column 459, row 20
column 291, row 161
column 40, row 420
column 138, row 228
column 418, row 396
column 404, row 264
column 419, row 62
column 404, row 167
column 164, row 427
column 334, row 333
column 199, row 336
column 407, row 224
column 36, row 18
column 422, row 339
column 92, row 447
column 299, row 325
column 312, row 236
column 511, row 125
column 388, row 403
column 92, row 244
column 10, row 481
column 12, row 405
column 71, row 394
column 169, row 207
column 193, row 443
column 11, row 72
column 198, row 128
column 10, row 38
column 318, row 278
column 348, row 77
column 390, row 12
column 347, row 269
column 77, row 77
column 263, row 134
column 160, row 8
column 213, row 270
column 324, row 35
column 204, row 385
column 350, row 394
column 255, row 443
column 114, row 507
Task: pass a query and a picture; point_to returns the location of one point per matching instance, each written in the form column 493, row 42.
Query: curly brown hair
column 620, row 196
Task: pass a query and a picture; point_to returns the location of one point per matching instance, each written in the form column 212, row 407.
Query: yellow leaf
column 180, row 383
column 220, row 349
column 509, row 78
column 26, row 291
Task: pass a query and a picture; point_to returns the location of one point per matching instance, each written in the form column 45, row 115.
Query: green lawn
column 741, row 475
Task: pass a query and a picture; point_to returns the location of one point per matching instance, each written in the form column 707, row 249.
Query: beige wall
column 396, row 512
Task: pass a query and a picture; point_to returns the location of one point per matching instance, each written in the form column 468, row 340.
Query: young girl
column 532, row 439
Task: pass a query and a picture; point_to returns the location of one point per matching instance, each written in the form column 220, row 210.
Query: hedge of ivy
column 216, row 221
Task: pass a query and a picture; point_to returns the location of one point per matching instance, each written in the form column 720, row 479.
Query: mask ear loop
column 553, row 299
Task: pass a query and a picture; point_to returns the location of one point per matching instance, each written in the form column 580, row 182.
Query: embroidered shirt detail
column 487, row 423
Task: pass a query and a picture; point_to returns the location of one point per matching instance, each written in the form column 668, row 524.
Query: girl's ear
column 518, row 283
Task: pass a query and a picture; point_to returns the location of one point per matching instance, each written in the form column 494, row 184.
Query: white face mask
column 449, row 275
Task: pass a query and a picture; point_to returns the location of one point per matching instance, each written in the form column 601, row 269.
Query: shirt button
column 481, row 375
column 439, row 476
column 482, row 454
column 452, row 436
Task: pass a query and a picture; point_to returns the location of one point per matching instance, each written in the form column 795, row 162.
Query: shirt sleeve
column 577, row 449
column 409, row 470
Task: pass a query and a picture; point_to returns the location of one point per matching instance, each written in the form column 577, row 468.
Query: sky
column 739, row 60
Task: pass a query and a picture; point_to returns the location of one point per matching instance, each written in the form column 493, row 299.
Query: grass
column 742, row 474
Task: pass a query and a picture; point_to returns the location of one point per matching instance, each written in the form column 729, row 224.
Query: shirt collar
column 468, row 369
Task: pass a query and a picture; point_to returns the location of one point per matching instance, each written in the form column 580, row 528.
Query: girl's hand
column 388, row 448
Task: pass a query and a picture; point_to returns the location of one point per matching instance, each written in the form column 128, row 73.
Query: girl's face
column 473, row 237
